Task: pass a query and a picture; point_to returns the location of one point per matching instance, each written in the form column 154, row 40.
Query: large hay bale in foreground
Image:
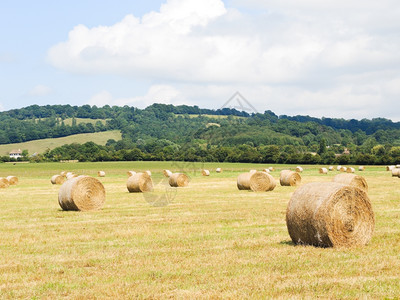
column 262, row 182
column 289, row 178
column 323, row 171
column 330, row 214
column 101, row 174
column 4, row 183
column 82, row 193
column 299, row 169
column 12, row 180
column 57, row 179
column 205, row 172
column 140, row 183
column 167, row 173
column 178, row 180
column 351, row 179
column 396, row 172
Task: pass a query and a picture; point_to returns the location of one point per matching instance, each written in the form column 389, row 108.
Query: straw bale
column 289, row 178
column 130, row 173
column 57, row 179
column 167, row 173
column 350, row 170
column 12, row 180
column 82, row 193
column 178, row 180
column 330, row 214
column 205, row 172
column 352, row 179
column 396, row 172
column 299, row 169
column 4, row 183
column 262, row 182
column 140, row 183
column 218, row 170
column 101, row 174
column 323, row 171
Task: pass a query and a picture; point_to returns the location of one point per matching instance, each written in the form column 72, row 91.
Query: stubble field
column 208, row 240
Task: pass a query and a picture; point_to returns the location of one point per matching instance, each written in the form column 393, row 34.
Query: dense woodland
column 189, row 133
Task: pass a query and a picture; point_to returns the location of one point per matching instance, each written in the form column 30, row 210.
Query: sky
column 331, row 58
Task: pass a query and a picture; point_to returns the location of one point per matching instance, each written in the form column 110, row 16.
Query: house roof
column 19, row 151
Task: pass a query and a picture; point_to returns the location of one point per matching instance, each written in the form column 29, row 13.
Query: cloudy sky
column 332, row 58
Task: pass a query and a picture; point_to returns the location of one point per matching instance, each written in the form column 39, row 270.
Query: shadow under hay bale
column 57, row 179
column 351, row 179
column 330, row 214
column 289, row 178
column 82, row 193
column 140, row 183
column 12, row 180
column 178, row 180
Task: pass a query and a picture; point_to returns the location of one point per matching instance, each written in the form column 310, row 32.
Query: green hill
column 40, row 146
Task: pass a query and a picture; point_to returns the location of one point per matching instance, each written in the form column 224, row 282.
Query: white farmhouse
column 15, row 153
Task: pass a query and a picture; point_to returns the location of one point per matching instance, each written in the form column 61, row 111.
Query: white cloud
column 156, row 94
column 328, row 58
column 40, row 90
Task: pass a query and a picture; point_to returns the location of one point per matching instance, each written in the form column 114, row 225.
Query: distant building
column 15, row 153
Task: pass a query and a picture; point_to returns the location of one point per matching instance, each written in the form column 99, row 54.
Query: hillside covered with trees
column 167, row 132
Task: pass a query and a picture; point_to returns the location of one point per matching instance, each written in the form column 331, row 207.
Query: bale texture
column 101, row 174
column 12, row 180
column 57, row 179
column 352, row 179
column 178, row 180
column 130, row 173
column 262, row 182
column 205, row 172
column 218, row 170
column 323, row 171
column 4, row 183
column 167, row 173
column 330, row 214
column 140, row 183
column 289, row 178
column 243, row 181
column 82, row 193
column 299, row 169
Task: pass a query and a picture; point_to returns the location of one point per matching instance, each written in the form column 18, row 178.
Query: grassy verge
column 211, row 241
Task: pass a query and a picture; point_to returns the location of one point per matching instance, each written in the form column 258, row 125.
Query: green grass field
column 210, row 241
column 40, row 146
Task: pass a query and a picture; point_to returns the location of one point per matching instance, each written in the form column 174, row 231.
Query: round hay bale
column 289, row 178
column 299, row 169
column 330, row 168
column 130, row 173
column 398, row 166
column 323, row 171
column 140, row 183
column 167, row 173
column 178, row 180
column 353, row 180
column 82, row 193
column 266, row 171
column 338, row 168
column 101, row 174
column 396, row 172
column 262, row 182
column 343, row 169
column 148, row 172
column 63, row 174
column 330, row 214
column 4, row 183
column 218, row 170
column 243, row 181
column 57, row 179
column 361, row 168
column 205, row 172
column 350, row 170
column 390, row 168
column 12, row 180
column 271, row 169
